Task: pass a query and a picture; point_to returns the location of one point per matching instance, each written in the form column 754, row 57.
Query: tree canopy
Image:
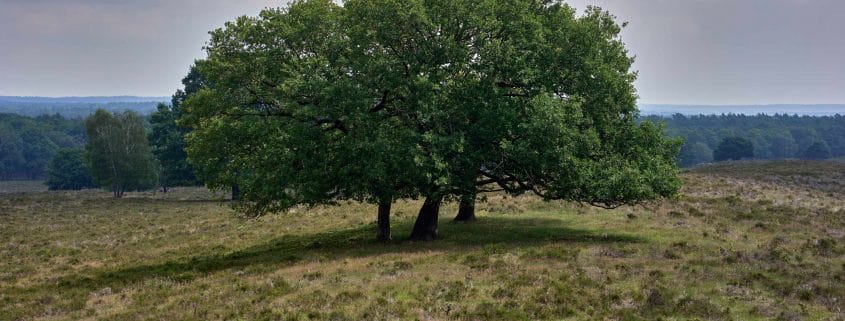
column 816, row 151
column 733, row 148
column 118, row 152
column 68, row 170
column 381, row 99
column 27, row 144
column 773, row 136
column 695, row 153
column 168, row 138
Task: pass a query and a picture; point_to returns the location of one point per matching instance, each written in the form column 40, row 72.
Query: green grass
column 749, row 241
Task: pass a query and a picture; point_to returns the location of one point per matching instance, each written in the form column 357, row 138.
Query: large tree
column 118, row 152
column 381, row 99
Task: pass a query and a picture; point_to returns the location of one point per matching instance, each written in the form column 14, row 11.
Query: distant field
column 826, row 176
column 745, row 241
column 7, row 187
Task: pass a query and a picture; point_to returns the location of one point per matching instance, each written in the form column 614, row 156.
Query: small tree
column 695, row 153
column 68, row 170
column 733, row 148
column 816, row 151
column 118, row 152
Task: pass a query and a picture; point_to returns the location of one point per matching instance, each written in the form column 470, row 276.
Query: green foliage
column 695, row 153
column 733, row 148
column 168, row 138
column 28, row 144
column 376, row 100
column 118, row 152
column 774, row 137
column 68, row 170
column 816, row 151
column 168, row 142
column 11, row 154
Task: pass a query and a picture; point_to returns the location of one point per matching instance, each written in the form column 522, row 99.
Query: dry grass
column 10, row 187
column 756, row 241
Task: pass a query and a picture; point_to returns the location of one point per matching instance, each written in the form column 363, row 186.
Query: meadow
column 743, row 241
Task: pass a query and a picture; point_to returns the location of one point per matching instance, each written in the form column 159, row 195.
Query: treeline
column 76, row 107
column 73, row 110
column 115, row 150
column 76, row 100
column 27, row 144
column 771, row 136
column 121, row 152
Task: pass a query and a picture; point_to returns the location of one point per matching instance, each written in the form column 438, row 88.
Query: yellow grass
column 745, row 241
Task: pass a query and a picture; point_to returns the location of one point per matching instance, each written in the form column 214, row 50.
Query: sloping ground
column 746, row 241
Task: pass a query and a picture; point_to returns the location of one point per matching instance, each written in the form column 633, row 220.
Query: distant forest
column 773, row 137
column 77, row 107
column 782, row 109
column 28, row 143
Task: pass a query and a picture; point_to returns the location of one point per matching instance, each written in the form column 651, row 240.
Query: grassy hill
column 745, row 241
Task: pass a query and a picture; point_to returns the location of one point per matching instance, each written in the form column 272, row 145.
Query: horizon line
column 686, row 104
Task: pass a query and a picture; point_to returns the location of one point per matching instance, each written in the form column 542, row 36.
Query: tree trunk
column 384, row 221
column 236, row 192
column 425, row 228
column 466, row 209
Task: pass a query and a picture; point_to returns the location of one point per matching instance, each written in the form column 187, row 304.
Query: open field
column 745, row 241
column 8, row 187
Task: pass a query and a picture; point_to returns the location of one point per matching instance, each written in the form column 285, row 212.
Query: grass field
column 7, row 187
column 744, row 241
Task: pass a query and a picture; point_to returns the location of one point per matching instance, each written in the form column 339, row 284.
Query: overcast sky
column 688, row 51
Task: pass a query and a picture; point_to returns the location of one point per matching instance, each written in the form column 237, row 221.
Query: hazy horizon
column 704, row 52
column 33, row 106
column 136, row 98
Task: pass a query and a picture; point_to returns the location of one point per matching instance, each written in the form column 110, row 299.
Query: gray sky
column 688, row 51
